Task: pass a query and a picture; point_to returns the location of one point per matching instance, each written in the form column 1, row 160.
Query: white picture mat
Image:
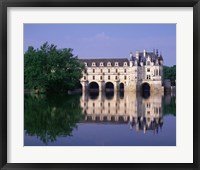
column 181, row 153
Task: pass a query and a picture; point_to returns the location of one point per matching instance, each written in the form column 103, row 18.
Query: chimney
column 157, row 52
column 137, row 54
column 131, row 55
column 144, row 53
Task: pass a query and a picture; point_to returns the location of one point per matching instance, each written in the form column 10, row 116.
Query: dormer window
column 85, row 64
column 125, row 63
column 116, row 64
column 109, row 64
column 101, row 64
column 93, row 64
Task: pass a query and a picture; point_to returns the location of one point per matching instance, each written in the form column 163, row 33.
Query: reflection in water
column 144, row 114
column 50, row 116
column 54, row 117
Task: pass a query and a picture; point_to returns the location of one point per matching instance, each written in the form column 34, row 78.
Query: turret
column 161, row 59
column 131, row 59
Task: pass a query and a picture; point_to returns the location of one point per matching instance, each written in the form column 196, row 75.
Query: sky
column 105, row 40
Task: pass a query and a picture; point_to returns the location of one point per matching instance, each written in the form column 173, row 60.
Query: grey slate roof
column 153, row 56
column 120, row 61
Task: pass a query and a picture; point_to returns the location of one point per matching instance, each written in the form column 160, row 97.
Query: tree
column 49, row 69
column 170, row 73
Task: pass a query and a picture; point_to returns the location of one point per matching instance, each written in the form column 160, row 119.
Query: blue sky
column 105, row 40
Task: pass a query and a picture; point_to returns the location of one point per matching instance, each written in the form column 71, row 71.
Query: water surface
column 100, row 119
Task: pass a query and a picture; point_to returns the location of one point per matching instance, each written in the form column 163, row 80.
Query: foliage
column 49, row 69
column 48, row 117
column 170, row 73
column 170, row 108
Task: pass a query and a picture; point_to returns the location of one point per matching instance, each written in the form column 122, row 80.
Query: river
column 100, row 119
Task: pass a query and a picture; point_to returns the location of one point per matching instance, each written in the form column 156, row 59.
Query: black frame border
column 4, row 4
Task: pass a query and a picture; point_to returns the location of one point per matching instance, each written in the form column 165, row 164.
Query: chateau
column 144, row 71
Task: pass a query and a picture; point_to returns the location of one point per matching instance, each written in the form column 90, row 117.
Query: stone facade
column 145, row 68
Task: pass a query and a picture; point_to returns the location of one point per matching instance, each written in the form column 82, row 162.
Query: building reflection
column 123, row 107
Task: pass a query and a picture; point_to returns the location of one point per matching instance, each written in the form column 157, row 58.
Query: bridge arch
column 109, row 86
column 93, row 86
column 145, row 88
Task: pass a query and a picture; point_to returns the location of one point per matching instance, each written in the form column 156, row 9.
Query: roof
column 120, row 61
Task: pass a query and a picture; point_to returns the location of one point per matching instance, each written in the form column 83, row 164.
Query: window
column 93, row 70
column 101, row 64
column 115, row 77
column 93, row 77
column 93, row 64
column 86, row 64
column 124, row 70
column 101, row 70
column 84, row 78
column 124, row 77
column 93, row 104
column 148, row 77
column 125, row 63
column 148, row 69
column 148, row 63
column 108, row 70
column 116, row 64
column 108, row 77
column 116, row 70
column 108, row 64
column 101, row 77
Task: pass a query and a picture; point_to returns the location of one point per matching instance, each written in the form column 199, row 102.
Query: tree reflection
column 48, row 117
column 169, row 105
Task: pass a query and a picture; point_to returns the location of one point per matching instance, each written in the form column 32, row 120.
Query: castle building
column 144, row 71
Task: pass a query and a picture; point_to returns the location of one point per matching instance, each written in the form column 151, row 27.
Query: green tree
column 49, row 69
column 170, row 73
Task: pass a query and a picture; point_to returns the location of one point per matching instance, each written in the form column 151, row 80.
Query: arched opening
column 93, row 90
column 109, row 90
column 93, row 95
column 121, row 86
column 109, row 86
column 109, row 95
column 145, row 90
column 93, row 86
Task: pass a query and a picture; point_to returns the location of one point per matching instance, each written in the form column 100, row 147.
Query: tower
column 131, row 59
